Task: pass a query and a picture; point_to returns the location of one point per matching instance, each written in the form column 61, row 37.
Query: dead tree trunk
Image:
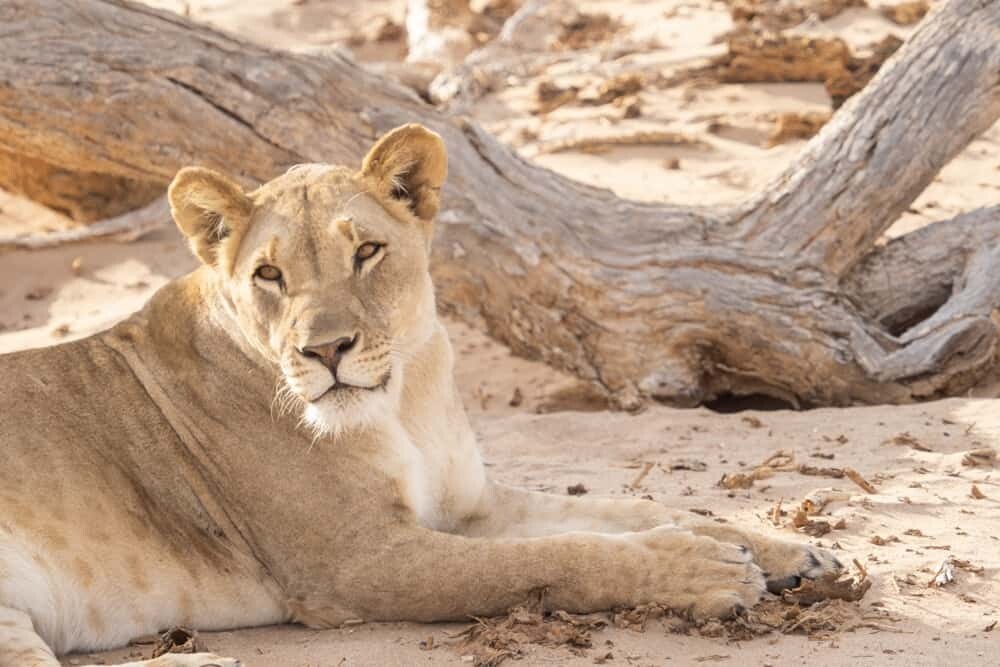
column 784, row 295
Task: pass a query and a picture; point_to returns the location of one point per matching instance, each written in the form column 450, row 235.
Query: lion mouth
column 344, row 387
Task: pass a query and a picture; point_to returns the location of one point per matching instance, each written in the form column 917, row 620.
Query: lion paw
column 728, row 586
column 708, row 578
column 786, row 564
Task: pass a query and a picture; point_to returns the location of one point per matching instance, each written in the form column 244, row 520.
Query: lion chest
column 440, row 478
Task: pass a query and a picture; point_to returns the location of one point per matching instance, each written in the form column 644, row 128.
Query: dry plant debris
column 776, row 512
column 811, row 527
column 814, row 527
column 582, row 31
column 985, row 457
column 783, row 14
column 780, row 461
column 817, row 500
column 384, row 29
column 491, row 641
column 859, row 71
column 774, row 58
column 856, row 477
column 516, row 398
column 816, row 471
column 577, row 489
column 793, row 125
column 904, row 439
column 601, row 143
column 549, row 96
column 967, row 566
column 905, row 13
column 619, row 90
column 816, row 608
column 740, row 480
column 646, row 467
column 828, row 587
column 945, row 574
column 813, row 504
column 694, row 465
column 177, row 640
column 613, row 89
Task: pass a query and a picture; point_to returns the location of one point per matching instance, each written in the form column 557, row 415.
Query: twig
column 127, row 227
column 856, row 477
column 642, row 474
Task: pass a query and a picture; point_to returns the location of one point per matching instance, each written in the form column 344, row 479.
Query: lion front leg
column 510, row 512
column 417, row 574
column 507, row 511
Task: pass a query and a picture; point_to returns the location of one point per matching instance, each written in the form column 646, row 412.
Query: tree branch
column 126, row 227
column 911, row 277
column 882, row 149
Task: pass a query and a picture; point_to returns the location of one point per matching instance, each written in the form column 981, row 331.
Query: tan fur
column 195, row 465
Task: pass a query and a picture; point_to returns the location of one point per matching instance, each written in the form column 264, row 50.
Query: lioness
column 278, row 437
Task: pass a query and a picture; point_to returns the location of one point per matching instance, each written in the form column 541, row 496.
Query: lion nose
column 330, row 354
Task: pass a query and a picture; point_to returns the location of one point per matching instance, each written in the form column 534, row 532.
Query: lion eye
column 367, row 251
column 267, row 272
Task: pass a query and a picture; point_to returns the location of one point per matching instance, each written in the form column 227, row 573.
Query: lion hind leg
column 185, row 660
column 20, row 645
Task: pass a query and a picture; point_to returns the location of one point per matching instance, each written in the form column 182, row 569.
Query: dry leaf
column 828, row 587
column 906, row 440
column 737, row 480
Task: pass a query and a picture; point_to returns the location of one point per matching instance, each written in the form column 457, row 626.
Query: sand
column 560, row 434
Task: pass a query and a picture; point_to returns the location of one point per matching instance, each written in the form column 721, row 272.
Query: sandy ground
column 559, row 435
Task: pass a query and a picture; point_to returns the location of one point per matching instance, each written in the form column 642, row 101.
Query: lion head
column 324, row 270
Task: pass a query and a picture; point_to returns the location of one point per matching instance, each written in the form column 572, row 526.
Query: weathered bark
column 82, row 196
column 646, row 300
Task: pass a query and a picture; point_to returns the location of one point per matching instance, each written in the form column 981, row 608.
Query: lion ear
column 408, row 164
column 212, row 211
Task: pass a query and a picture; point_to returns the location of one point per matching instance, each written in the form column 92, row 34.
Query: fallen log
column 785, row 294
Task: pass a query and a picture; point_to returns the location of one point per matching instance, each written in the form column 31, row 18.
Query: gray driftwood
column 787, row 294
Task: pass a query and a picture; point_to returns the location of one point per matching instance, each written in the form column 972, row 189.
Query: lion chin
column 347, row 408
